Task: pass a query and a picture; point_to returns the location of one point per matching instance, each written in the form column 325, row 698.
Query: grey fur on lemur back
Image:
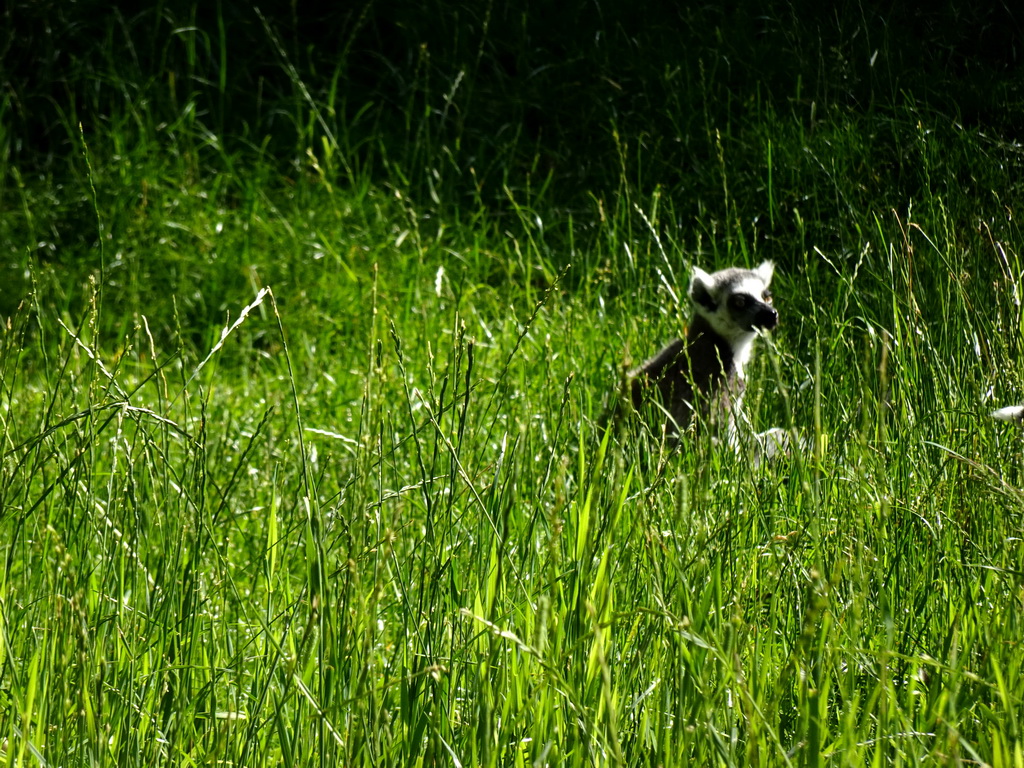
column 692, row 374
column 704, row 373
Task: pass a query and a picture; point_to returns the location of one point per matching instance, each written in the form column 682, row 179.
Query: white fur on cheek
column 739, row 340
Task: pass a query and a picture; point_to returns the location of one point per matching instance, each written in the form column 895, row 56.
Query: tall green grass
column 367, row 517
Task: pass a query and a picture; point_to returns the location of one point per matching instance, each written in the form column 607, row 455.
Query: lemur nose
column 767, row 318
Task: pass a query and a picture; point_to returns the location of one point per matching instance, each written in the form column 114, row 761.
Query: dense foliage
column 310, row 319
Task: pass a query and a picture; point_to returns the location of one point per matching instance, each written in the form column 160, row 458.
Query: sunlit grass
column 368, row 517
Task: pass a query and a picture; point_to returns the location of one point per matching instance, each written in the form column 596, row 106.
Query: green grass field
column 300, row 381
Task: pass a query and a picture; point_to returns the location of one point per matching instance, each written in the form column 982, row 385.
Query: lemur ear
column 701, row 286
column 765, row 272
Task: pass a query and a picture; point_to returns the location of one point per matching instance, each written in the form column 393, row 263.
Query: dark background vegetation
column 454, row 103
column 558, row 76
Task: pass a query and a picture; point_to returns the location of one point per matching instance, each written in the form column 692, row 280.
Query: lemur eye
column 767, row 296
column 739, row 301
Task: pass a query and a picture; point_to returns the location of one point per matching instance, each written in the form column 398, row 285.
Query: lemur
column 704, row 373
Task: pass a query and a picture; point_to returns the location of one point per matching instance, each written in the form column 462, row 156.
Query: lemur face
column 736, row 302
